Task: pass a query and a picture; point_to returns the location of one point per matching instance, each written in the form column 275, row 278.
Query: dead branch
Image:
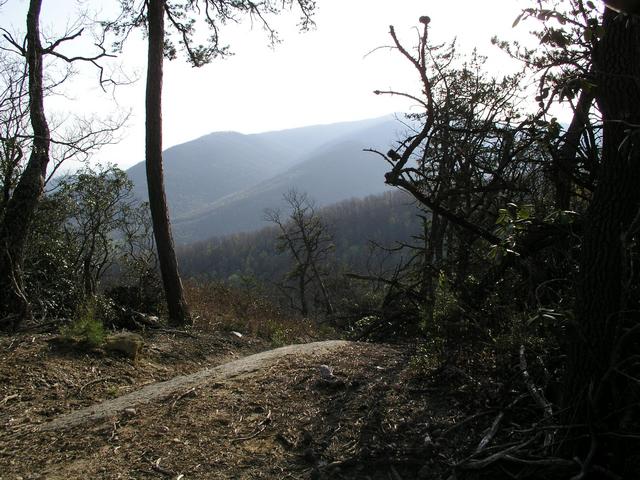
column 189, row 393
column 8, row 398
column 490, row 434
column 537, row 395
column 175, row 332
column 484, row 463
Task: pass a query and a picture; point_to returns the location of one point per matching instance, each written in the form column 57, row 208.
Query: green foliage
column 428, row 357
column 86, row 327
column 512, row 222
column 445, row 306
column 366, row 323
column 280, row 336
column 49, row 269
column 88, row 224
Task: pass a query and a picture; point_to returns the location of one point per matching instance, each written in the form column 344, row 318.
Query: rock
column 326, row 372
column 125, row 343
column 130, row 412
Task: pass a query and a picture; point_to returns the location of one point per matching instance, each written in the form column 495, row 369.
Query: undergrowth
column 217, row 306
column 87, row 325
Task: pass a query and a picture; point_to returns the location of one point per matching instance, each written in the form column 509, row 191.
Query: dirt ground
column 281, row 421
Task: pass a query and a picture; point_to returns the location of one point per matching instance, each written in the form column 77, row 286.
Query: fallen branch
column 189, row 393
column 480, row 464
column 465, row 421
column 542, row 402
column 492, row 433
column 9, row 397
column 176, row 332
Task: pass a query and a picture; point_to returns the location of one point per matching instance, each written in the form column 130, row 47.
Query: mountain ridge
column 221, row 183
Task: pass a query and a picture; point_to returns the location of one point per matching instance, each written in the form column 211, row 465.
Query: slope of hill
column 221, row 183
column 205, row 169
column 354, row 224
column 338, row 170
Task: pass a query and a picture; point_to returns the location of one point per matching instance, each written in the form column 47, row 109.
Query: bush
column 87, row 327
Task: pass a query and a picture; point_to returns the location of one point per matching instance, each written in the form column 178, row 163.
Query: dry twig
column 261, row 428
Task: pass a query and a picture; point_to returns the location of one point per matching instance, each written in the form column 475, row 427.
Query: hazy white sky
column 321, row 76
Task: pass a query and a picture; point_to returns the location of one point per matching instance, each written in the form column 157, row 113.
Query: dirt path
column 183, row 383
column 265, row 416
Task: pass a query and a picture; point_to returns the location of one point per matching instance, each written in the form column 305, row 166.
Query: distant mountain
column 221, row 183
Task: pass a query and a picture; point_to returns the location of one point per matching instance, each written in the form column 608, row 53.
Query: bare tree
column 14, row 116
column 19, row 209
column 305, row 237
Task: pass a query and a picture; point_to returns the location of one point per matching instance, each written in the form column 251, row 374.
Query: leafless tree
column 19, row 209
column 306, row 238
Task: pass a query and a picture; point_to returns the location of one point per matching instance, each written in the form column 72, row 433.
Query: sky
column 322, row 76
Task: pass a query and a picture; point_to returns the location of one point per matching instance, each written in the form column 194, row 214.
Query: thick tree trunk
column 20, row 209
column 177, row 306
column 601, row 308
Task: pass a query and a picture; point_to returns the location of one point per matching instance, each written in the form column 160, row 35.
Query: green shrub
column 428, row 357
column 279, row 337
column 87, row 326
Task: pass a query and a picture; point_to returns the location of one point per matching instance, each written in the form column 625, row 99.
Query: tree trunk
column 564, row 162
column 302, row 291
column 177, row 306
column 601, row 308
column 20, row 209
column 328, row 306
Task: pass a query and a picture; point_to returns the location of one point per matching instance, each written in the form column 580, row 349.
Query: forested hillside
column 356, row 227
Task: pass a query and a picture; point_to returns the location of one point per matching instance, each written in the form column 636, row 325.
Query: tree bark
column 601, row 309
column 176, row 304
column 20, row 209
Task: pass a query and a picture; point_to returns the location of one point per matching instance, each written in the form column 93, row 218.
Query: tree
column 176, row 303
column 469, row 153
column 588, row 55
column 599, row 387
column 181, row 17
column 100, row 208
column 19, row 209
column 14, row 115
column 591, row 62
column 305, row 237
